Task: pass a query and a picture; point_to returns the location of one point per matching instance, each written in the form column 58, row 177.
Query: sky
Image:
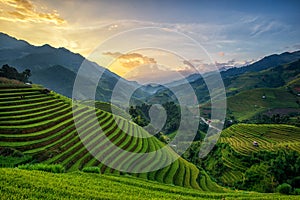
column 161, row 39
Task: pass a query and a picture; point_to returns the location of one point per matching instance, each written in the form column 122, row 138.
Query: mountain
column 271, row 95
column 56, row 68
column 271, row 72
column 265, row 63
column 273, row 77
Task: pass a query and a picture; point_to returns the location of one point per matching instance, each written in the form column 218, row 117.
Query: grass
column 43, row 167
column 246, row 105
column 13, row 161
column 79, row 185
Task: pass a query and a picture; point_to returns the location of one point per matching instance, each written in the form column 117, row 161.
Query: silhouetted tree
column 12, row 73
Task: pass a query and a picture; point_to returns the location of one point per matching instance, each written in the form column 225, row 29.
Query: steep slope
column 268, row 92
column 247, row 104
column 265, row 63
column 57, row 66
column 274, row 77
column 271, row 72
column 42, row 126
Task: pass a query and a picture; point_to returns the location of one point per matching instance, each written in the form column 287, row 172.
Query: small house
column 45, row 91
column 255, row 144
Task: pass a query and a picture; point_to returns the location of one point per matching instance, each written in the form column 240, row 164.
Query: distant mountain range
column 268, row 72
column 56, row 68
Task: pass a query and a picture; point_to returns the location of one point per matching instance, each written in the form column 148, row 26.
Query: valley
column 55, row 147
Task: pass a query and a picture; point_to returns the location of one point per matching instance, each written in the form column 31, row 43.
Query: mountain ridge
column 40, row 59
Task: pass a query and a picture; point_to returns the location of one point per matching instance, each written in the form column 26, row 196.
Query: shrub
column 17, row 153
column 295, row 182
column 284, row 188
column 44, row 167
column 297, row 191
column 95, row 170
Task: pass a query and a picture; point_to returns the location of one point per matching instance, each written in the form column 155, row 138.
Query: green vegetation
column 248, row 104
column 256, row 157
column 107, row 107
column 43, row 167
column 37, row 132
column 259, row 97
column 270, row 137
column 78, row 185
column 41, row 125
column 274, row 77
column 140, row 115
column 12, row 158
column 284, row 188
column 11, row 161
column 95, row 170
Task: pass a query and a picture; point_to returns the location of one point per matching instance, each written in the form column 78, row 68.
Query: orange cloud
column 131, row 60
column 24, row 10
column 221, row 54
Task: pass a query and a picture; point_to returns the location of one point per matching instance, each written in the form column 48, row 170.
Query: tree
column 26, row 74
column 284, row 188
column 12, row 73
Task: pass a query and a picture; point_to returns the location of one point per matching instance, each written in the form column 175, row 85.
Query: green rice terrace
column 249, row 103
column 37, row 126
column 269, row 137
column 247, row 155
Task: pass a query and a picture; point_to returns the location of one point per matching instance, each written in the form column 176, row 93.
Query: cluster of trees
column 266, row 171
column 140, row 115
column 273, row 171
column 292, row 119
column 274, row 119
column 12, row 73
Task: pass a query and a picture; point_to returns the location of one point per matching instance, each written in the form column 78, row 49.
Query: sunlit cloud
column 156, row 73
column 232, row 63
column 221, row 54
column 131, row 60
column 26, row 11
column 82, row 27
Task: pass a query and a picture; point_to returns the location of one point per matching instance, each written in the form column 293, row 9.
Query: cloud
column 131, row 60
column 188, row 63
column 112, row 54
column 221, row 54
column 232, row 63
column 155, row 74
column 261, row 26
column 196, row 66
column 26, row 11
column 297, row 46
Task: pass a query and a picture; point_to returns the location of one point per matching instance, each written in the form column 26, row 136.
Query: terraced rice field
column 240, row 137
column 269, row 137
column 42, row 125
column 78, row 185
